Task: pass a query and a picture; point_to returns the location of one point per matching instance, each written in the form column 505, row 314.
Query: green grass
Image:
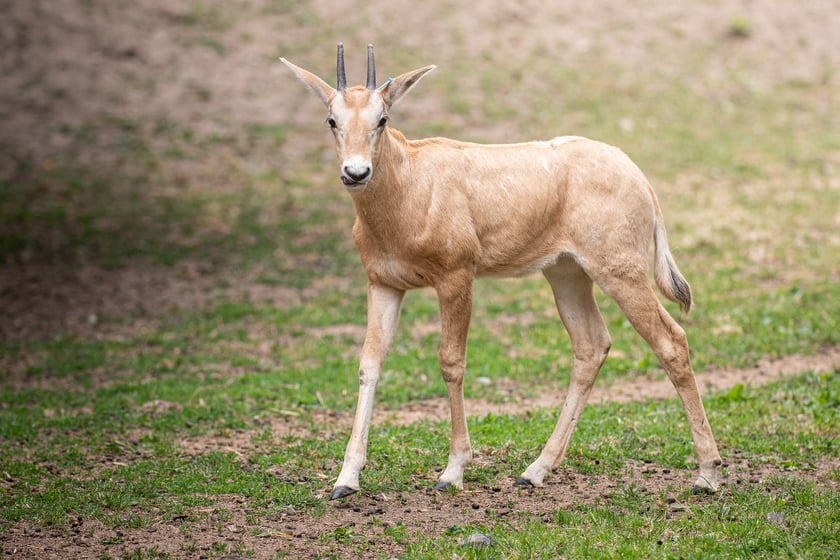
column 631, row 525
column 125, row 480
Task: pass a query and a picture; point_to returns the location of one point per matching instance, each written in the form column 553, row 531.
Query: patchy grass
column 775, row 520
column 127, row 470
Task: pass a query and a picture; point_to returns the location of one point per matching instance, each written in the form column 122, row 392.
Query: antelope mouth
column 352, row 184
column 348, row 181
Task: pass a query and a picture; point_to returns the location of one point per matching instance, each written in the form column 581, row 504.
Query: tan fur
column 439, row 212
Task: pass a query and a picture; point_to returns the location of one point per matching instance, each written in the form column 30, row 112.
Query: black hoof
column 441, row 486
column 702, row 490
column 341, row 492
column 523, row 483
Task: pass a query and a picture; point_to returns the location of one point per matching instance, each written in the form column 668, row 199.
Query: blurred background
column 156, row 159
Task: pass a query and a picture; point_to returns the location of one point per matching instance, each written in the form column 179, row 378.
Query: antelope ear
column 319, row 87
column 400, row 85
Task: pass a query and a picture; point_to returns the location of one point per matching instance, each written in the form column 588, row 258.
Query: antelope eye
column 382, row 122
column 331, row 122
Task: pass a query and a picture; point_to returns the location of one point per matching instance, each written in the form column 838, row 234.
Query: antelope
column 439, row 213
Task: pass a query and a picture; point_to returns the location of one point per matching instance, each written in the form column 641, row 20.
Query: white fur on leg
column 708, row 479
column 454, row 473
column 535, row 473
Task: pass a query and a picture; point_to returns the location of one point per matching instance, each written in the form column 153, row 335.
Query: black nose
column 357, row 174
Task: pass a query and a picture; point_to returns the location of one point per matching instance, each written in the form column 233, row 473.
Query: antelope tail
column 668, row 277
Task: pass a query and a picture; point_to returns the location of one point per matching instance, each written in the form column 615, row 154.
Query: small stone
column 478, row 540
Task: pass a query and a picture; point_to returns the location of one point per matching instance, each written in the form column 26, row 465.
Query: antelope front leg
column 383, row 315
column 455, row 295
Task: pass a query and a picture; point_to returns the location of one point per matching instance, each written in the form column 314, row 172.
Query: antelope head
column 358, row 116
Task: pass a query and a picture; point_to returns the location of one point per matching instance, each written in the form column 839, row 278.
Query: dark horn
column 371, row 73
column 342, row 77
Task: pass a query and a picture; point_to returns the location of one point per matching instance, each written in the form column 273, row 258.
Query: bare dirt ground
column 67, row 64
column 364, row 518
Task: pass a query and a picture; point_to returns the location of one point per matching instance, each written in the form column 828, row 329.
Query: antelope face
column 357, row 118
column 358, row 115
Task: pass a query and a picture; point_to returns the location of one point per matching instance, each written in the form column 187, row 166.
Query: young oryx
column 439, row 213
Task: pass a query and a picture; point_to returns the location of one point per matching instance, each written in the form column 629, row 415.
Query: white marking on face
column 355, row 170
column 357, row 115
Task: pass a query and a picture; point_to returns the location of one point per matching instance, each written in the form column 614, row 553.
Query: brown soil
column 362, row 519
column 68, row 64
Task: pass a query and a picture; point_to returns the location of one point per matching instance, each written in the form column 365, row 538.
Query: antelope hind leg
column 575, row 302
column 669, row 343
